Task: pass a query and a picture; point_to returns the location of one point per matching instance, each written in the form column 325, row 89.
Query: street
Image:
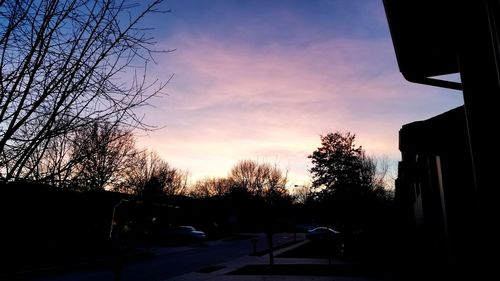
column 168, row 262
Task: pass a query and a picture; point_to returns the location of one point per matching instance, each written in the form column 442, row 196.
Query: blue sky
column 263, row 80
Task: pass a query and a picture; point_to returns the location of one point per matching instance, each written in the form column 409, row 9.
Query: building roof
column 444, row 132
column 425, row 35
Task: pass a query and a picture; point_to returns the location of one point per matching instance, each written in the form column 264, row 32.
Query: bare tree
column 262, row 180
column 244, row 175
column 302, row 193
column 149, row 175
column 59, row 68
column 142, row 169
column 208, row 187
column 101, row 154
column 276, row 181
column 52, row 163
column 176, row 182
column 383, row 180
column 91, row 159
column 266, row 182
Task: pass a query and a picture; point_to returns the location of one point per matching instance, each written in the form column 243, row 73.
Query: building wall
column 434, row 191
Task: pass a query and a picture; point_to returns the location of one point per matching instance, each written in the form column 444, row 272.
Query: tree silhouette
column 339, row 164
column 101, row 154
column 208, row 187
column 302, row 193
column 261, row 180
column 91, row 159
column 59, row 68
column 345, row 178
column 151, row 176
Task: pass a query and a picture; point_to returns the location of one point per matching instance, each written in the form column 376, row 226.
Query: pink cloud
column 230, row 101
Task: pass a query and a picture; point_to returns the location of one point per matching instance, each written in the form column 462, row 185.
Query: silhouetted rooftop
column 435, row 133
column 425, row 35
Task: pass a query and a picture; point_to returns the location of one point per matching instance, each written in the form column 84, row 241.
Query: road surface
column 167, row 262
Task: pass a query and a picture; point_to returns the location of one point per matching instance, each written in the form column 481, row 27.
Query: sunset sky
column 264, row 79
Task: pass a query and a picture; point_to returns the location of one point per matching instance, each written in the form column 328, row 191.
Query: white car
column 183, row 233
column 322, row 233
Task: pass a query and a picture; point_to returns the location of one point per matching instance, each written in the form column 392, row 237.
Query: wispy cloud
column 230, row 100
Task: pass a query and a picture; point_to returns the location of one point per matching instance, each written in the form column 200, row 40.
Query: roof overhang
column 425, row 36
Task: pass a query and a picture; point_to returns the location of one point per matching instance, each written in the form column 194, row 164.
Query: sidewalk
column 223, row 271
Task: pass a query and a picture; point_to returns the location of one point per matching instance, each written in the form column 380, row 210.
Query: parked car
column 322, row 233
column 183, row 233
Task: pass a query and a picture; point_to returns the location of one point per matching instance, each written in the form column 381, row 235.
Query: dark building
column 435, row 189
column 432, row 39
